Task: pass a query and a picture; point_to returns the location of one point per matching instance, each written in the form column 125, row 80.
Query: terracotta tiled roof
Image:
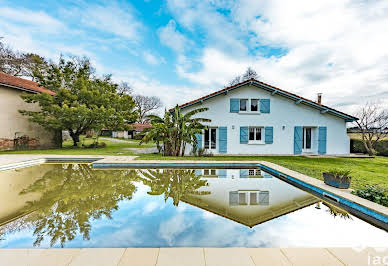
column 22, row 84
column 265, row 85
column 141, row 127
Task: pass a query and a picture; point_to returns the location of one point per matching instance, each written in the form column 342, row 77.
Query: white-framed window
column 246, row 197
column 209, row 172
column 255, row 134
column 210, row 138
column 243, row 105
column 254, row 105
column 254, row 172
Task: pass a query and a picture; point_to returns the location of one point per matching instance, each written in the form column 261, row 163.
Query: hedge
column 357, row 146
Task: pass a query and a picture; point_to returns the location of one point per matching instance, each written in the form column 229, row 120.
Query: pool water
column 74, row 205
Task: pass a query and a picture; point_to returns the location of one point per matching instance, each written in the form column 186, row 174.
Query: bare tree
column 249, row 74
column 124, row 88
column 373, row 124
column 145, row 105
column 19, row 64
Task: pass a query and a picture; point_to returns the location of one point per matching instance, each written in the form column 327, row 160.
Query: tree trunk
column 75, row 138
column 369, row 148
column 183, row 148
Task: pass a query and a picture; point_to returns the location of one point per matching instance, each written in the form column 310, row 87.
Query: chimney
column 319, row 99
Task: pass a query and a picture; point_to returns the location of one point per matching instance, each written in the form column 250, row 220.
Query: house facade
column 256, row 118
column 16, row 131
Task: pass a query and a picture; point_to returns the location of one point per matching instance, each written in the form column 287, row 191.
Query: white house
column 256, row 118
column 247, row 196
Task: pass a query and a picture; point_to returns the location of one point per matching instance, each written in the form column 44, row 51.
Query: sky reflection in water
column 81, row 207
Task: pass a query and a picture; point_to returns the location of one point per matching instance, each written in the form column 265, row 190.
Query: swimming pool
column 76, row 205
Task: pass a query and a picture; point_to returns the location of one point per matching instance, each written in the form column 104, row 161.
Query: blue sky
column 180, row 50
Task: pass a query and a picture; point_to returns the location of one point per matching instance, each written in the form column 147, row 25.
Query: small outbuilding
column 16, row 132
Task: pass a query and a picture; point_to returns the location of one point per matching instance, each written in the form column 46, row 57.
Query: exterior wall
column 283, row 116
column 12, row 122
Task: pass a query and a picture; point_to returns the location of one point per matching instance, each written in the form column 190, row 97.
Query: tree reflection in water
column 74, row 194
column 173, row 183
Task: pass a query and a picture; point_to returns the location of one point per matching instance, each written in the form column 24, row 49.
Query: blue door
column 322, row 140
column 222, row 139
column 298, row 140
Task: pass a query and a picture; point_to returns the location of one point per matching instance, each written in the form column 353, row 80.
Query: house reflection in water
column 248, row 196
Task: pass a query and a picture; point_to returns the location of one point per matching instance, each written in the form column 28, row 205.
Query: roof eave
column 329, row 110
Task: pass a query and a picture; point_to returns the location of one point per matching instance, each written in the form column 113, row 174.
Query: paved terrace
column 195, row 256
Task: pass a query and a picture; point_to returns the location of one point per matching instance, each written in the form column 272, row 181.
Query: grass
column 364, row 171
column 112, row 148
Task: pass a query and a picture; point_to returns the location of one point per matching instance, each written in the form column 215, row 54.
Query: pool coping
column 362, row 208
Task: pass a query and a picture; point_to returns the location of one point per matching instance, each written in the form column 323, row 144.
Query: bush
column 339, row 173
column 138, row 136
column 374, row 194
column 357, row 146
column 95, row 145
column 201, row 153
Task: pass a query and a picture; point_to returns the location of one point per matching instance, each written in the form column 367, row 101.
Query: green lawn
column 112, row 148
column 365, row 171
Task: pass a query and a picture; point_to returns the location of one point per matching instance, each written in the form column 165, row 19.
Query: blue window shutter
column 265, row 106
column 234, row 105
column 198, row 172
column 244, row 173
column 322, row 137
column 199, row 141
column 268, row 135
column 222, row 173
column 223, row 139
column 243, row 135
column 298, row 139
column 233, row 198
column 264, row 197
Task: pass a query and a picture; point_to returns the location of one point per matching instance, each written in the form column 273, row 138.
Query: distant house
column 16, row 131
column 256, row 118
column 136, row 128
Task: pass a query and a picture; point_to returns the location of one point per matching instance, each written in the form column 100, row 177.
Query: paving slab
column 14, row 257
column 51, row 257
column 350, row 256
column 139, row 257
column 181, row 257
column 268, row 257
column 98, row 257
column 228, row 257
column 311, row 256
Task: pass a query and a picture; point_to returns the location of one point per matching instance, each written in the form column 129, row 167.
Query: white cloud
column 172, row 38
column 152, row 59
column 215, row 27
column 335, row 47
column 118, row 20
column 37, row 21
column 169, row 230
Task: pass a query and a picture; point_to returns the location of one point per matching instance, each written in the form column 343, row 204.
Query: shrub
column 374, row 194
column 339, row 173
column 357, row 146
column 95, row 145
column 201, row 153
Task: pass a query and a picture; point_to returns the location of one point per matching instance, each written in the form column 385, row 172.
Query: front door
column 210, row 139
column 307, row 139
